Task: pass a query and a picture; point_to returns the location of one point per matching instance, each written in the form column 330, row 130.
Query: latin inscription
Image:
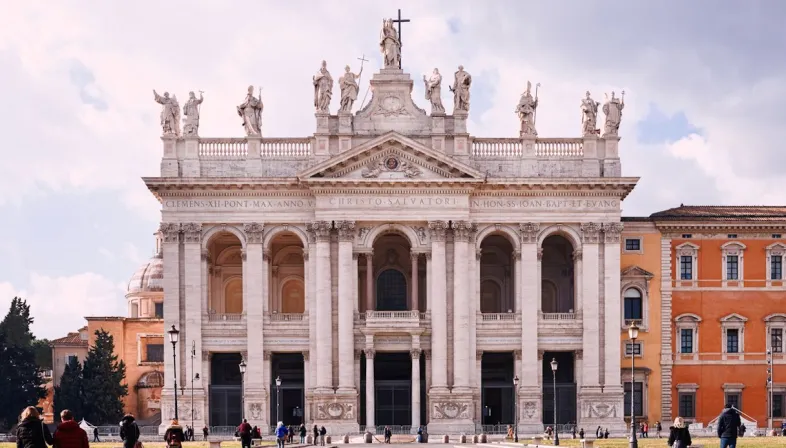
column 502, row 203
column 396, row 201
column 239, row 204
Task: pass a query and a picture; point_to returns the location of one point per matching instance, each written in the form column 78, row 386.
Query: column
column 254, row 285
column 591, row 312
column 346, row 309
column 415, row 388
column 474, row 307
column 306, row 386
column 369, row 389
column 414, row 257
column 439, row 329
column 428, row 278
column 170, row 236
column 612, row 313
column 192, row 283
column 267, row 358
column 530, row 304
column 369, row 281
column 461, row 330
column 324, row 311
column 355, row 284
column 311, row 307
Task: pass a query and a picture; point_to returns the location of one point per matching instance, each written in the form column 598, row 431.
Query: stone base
column 604, row 408
column 183, row 411
column 336, row 411
column 451, row 412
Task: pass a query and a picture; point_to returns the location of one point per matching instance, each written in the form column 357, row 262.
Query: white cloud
column 60, row 304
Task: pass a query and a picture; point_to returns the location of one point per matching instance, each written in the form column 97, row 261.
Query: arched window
column 233, row 296
column 633, row 305
column 490, row 297
column 548, row 297
column 391, row 291
column 293, row 297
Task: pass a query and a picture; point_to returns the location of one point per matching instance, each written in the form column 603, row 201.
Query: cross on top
column 399, row 21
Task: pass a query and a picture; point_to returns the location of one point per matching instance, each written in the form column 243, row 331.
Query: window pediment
column 634, row 272
column 776, row 317
column 776, row 249
column 687, row 317
column 734, row 317
column 687, row 249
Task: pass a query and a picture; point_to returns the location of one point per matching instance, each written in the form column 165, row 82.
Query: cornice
column 671, row 226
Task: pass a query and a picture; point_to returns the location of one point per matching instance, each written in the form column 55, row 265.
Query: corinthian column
column 591, row 364
column 462, row 231
column 192, row 283
column 611, row 303
column 439, row 310
column 414, row 257
column 369, row 389
column 324, row 311
column 415, row 353
column 346, row 347
column 170, row 250
column 254, row 282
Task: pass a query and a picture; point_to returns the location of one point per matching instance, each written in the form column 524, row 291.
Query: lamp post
column 769, row 387
column 516, row 409
column 242, row 388
column 554, row 366
column 173, row 337
column 194, row 376
column 633, row 334
column 278, row 399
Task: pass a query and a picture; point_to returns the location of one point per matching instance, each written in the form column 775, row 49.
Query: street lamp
column 769, row 386
column 278, row 399
column 554, row 366
column 173, row 337
column 194, row 376
column 633, row 334
column 242, row 388
column 516, row 413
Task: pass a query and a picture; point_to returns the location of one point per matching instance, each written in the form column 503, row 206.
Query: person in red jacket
column 244, row 432
column 68, row 433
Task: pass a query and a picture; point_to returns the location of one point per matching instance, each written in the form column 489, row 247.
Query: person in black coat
column 31, row 431
column 679, row 436
column 129, row 431
column 728, row 427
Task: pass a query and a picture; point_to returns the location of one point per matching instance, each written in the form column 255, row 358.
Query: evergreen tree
column 103, row 382
column 70, row 393
column 19, row 377
column 43, row 354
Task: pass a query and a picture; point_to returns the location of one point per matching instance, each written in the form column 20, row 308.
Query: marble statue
column 461, row 83
column 589, row 115
column 434, row 92
column 251, row 112
column 323, row 89
column 191, row 111
column 349, row 89
column 526, row 110
column 390, row 45
column 613, row 111
column 170, row 113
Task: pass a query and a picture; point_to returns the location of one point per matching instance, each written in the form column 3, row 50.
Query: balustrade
column 225, row 317
column 559, row 148
column 492, row 317
column 511, row 148
column 223, row 148
column 496, row 148
column 287, row 317
column 285, row 148
column 559, row 316
column 270, row 148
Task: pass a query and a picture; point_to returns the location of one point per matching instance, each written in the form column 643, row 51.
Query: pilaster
column 254, row 156
column 346, row 315
column 324, row 312
column 190, row 164
column 170, row 238
column 439, row 311
column 255, row 276
column 192, row 282
column 170, row 166
column 591, row 313
column 462, row 231
column 530, row 392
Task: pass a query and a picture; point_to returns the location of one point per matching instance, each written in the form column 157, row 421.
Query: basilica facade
column 392, row 269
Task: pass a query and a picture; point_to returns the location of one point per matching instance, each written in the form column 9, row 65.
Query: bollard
column 367, row 437
column 328, row 440
column 475, row 439
column 483, row 438
column 463, row 438
column 346, row 439
column 587, row 443
column 445, row 439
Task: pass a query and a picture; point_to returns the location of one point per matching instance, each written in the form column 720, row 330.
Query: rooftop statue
column 613, row 111
column 170, row 113
column 589, row 116
column 434, row 92
column 323, row 89
column 526, row 109
column 191, row 111
column 390, row 45
column 349, row 89
column 461, row 83
column 251, row 112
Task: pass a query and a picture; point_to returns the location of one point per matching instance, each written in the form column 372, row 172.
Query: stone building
column 392, row 269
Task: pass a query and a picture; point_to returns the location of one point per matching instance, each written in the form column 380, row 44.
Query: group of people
column 284, row 435
column 644, row 429
column 33, row 433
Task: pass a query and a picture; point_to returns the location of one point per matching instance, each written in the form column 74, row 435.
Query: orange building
column 725, row 302
column 640, row 283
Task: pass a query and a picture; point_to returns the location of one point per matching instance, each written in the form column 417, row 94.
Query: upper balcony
column 560, row 323
column 400, row 320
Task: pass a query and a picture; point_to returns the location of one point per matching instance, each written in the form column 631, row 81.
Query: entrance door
column 498, row 395
column 393, row 389
column 566, row 388
column 225, row 408
column 289, row 368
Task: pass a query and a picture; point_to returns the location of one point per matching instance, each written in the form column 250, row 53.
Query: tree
column 21, row 382
column 103, row 378
column 43, row 354
column 70, row 393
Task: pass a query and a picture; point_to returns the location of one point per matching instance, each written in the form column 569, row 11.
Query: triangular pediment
column 395, row 157
column 635, row 271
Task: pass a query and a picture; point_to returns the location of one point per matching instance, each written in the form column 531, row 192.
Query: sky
column 704, row 86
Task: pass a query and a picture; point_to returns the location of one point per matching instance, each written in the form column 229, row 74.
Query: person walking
column 174, row 436
column 581, row 434
column 679, row 435
column 68, row 433
column 658, row 428
column 244, row 432
column 388, row 434
column 205, row 433
column 316, row 435
column 31, row 431
column 95, row 435
column 322, row 434
column 728, row 427
column 281, row 434
column 302, row 433
column 129, row 431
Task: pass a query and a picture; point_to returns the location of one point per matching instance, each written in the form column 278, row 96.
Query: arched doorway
column 287, row 273
column 497, row 285
column 557, row 276
column 387, row 280
column 391, row 290
column 225, row 276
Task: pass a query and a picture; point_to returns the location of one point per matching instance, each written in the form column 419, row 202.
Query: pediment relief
column 734, row 317
column 391, row 156
column 636, row 272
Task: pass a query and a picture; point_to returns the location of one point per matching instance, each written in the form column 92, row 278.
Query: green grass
column 708, row 442
column 153, row 444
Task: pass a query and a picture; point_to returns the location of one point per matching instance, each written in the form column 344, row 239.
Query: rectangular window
column 732, row 236
column 686, row 267
column 776, row 267
column 69, row 358
column 735, row 399
column 732, row 267
column 687, row 404
column 633, row 309
column 732, row 340
column 776, row 236
column 632, row 244
column 776, row 340
column 155, row 353
column 687, row 236
column 686, row 340
column 632, row 349
column 159, row 310
column 638, row 398
column 778, row 401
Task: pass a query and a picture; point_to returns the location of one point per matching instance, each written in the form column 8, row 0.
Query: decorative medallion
column 530, row 409
column 390, row 164
column 256, row 411
column 335, row 411
column 451, row 410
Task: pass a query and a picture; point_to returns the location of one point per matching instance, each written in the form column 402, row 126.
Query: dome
column 148, row 278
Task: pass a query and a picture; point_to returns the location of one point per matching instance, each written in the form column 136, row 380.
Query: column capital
column 516, row 254
column 170, row 232
column 612, row 231
column 415, row 353
column 529, row 232
column 305, row 355
column 478, row 355
column 254, row 232
column 370, row 352
column 438, row 229
column 463, row 230
column 590, row 232
column 346, row 230
column 517, row 355
column 413, row 256
column 192, row 232
column 319, row 229
column 577, row 254
column 267, row 355
column 427, row 354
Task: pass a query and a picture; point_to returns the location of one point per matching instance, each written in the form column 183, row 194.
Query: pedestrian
column 728, row 427
column 244, row 432
column 420, row 434
column 281, row 434
column 679, row 435
column 606, row 433
column 388, row 434
column 129, row 431
column 31, row 431
column 316, row 435
column 573, row 431
column 599, row 432
column 646, row 430
column 658, row 428
column 68, row 433
column 95, row 434
column 291, row 434
column 205, row 433
column 174, row 436
column 581, row 434
column 302, row 433
column 322, row 434
column 742, row 430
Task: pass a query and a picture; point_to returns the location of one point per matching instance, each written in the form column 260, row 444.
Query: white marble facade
column 507, row 245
